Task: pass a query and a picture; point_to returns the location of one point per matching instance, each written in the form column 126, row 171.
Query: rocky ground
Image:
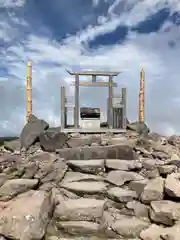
column 55, row 186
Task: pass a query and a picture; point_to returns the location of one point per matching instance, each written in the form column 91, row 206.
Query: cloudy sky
column 116, row 35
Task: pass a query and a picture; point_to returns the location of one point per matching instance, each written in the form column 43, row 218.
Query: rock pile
column 89, row 187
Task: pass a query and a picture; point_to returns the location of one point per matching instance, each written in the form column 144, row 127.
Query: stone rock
column 3, row 178
column 2, row 238
column 78, row 177
column 125, row 165
column 31, row 131
column 160, row 155
column 121, row 151
column 138, row 186
column 117, row 140
column 47, row 187
column 13, row 145
column 52, row 172
column 140, row 210
column 167, row 169
column 121, row 195
column 67, row 194
column 130, row 227
column 11, row 161
column 90, row 187
column 30, row 169
column 53, row 139
column 43, row 157
column 151, row 164
column 175, row 156
column 33, row 149
column 26, row 216
column 171, row 233
column 155, row 137
column 12, row 188
column 143, row 145
column 174, row 140
column 165, row 212
column 50, row 167
column 78, row 227
column 82, row 209
column 118, row 177
column 153, row 191
column 151, row 174
column 87, row 166
column 140, row 128
column 152, row 233
column 172, row 185
column 158, row 232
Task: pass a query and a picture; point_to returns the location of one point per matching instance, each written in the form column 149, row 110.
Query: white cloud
column 12, row 3
column 95, row 3
column 150, row 51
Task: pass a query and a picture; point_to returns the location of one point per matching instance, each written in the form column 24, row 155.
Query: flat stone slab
column 121, row 195
column 119, row 178
column 121, row 151
column 130, row 227
column 27, row 216
column 82, row 209
column 125, row 165
column 172, row 185
column 153, row 191
column 78, row 177
column 87, row 166
column 165, row 212
column 91, row 187
column 12, row 188
column 79, row 227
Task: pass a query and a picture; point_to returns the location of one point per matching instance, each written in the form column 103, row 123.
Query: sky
column 104, row 35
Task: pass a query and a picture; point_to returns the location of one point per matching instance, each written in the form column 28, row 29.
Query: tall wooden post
column 124, row 120
column 76, row 108
column 110, row 104
column 29, row 91
column 141, row 97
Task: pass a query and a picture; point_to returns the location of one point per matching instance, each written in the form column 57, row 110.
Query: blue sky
column 111, row 35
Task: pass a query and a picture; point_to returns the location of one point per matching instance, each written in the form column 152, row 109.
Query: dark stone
column 141, row 128
column 31, row 131
column 103, row 124
column 53, row 139
column 86, row 112
column 121, row 151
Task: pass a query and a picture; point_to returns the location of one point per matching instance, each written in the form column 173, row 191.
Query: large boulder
column 13, row 187
column 140, row 128
column 32, row 131
column 53, row 139
column 174, row 140
column 82, row 209
column 121, row 151
column 27, row 216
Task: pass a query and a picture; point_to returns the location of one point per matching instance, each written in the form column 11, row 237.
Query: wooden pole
column 29, row 91
column 141, row 97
